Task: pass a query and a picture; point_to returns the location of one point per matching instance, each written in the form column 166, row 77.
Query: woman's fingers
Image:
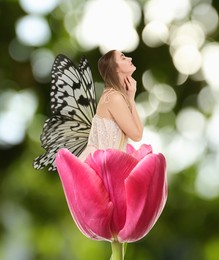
column 131, row 83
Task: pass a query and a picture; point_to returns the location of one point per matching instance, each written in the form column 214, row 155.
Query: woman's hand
column 130, row 85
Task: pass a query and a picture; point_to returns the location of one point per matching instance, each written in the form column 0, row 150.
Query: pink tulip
column 113, row 195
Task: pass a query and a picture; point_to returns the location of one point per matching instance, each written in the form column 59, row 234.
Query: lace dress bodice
column 104, row 133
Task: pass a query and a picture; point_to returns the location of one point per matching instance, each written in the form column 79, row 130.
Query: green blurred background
column 174, row 44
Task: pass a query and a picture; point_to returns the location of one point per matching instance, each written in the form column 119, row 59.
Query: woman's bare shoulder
column 116, row 96
column 111, row 95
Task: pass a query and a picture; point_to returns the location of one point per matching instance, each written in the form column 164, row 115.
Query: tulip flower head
column 114, row 195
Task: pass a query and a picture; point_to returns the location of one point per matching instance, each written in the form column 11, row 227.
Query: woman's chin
column 133, row 68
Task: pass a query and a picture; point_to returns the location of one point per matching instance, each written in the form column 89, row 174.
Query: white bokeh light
column 187, row 59
column 33, row 30
column 148, row 80
column 210, row 64
column 185, row 43
column 145, row 108
column 163, row 97
column 189, row 33
column 38, row 6
column 207, row 181
column 207, row 16
column 112, row 27
column 41, row 62
column 155, row 34
column 181, row 152
column 206, row 100
column 187, row 121
column 166, row 11
column 212, row 130
column 18, row 110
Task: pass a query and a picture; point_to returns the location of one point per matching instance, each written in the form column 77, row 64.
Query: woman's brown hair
column 107, row 68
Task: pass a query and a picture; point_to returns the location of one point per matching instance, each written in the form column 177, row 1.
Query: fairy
column 78, row 122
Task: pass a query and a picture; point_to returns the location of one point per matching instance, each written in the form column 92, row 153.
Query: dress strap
column 108, row 92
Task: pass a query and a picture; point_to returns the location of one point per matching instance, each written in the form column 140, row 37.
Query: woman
column 116, row 117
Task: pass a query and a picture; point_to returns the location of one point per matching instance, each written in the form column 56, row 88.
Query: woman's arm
column 127, row 119
column 137, row 119
column 131, row 90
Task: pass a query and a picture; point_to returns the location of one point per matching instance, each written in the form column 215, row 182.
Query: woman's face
column 124, row 64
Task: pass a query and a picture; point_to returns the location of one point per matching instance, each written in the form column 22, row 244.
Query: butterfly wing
column 73, row 104
column 59, row 132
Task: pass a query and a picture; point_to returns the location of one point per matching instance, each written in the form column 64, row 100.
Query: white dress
column 104, row 133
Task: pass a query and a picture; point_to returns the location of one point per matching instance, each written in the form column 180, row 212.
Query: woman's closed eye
column 123, row 56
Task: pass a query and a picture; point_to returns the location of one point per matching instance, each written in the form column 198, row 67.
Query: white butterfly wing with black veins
column 73, row 104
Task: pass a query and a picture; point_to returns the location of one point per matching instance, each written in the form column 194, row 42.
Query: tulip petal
column 118, row 166
column 95, row 160
column 114, row 167
column 140, row 153
column 86, row 196
column 146, row 193
column 130, row 149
